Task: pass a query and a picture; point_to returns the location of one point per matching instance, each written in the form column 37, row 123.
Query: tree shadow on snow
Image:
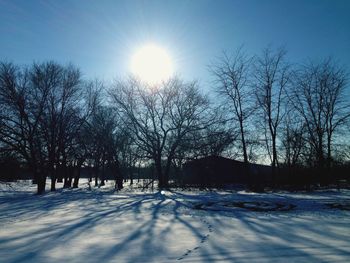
column 78, row 226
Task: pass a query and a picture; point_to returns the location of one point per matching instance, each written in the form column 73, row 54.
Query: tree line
column 261, row 109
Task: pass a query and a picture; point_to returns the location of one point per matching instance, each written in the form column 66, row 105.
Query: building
column 220, row 171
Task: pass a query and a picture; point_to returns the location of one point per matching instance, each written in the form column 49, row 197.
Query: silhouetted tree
column 39, row 102
column 160, row 116
column 272, row 75
column 23, row 102
column 233, row 83
column 60, row 119
column 293, row 139
column 319, row 97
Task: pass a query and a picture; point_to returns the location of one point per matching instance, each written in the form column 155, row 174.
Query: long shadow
column 156, row 215
column 287, row 237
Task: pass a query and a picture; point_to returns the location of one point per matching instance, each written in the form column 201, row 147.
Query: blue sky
column 101, row 36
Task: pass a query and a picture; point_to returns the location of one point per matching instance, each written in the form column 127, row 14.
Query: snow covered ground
column 78, row 225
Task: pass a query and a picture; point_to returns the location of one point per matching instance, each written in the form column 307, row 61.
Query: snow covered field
column 78, row 225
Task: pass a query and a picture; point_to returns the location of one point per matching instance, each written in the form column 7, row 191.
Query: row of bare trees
column 54, row 122
column 297, row 113
column 39, row 115
column 267, row 110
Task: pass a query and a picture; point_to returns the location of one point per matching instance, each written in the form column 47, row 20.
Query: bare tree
column 74, row 133
column 38, row 102
column 233, row 84
column 293, row 139
column 60, row 119
column 104, row 136
column 129, row 153
column 319, row 97
column 159, row 117
column 272, row 75
column 23, row 105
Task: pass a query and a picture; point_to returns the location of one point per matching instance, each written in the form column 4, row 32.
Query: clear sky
column 101, row 36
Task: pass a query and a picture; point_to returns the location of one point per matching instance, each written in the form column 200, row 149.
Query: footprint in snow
column 203, row 239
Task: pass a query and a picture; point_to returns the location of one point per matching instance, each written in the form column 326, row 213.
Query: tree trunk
column 245, row 155
column 161, row 182
column 131, row 176
column 159, row 170
column 68, row 177
column 53, row 178
column 60, row 179
column 76, row 176
column 167, row 171
column 41, row 183
column 274, row 152
column 90, row 174
column 96, row 176
column 119, row 182
column 274, row 160
column 320, row 153
column 39, row 178
column 65, row 175
column 53, row 183
column 65, row 182
column 102, row 177
column 329, row 152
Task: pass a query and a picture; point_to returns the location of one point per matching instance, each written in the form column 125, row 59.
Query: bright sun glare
column 152, row 64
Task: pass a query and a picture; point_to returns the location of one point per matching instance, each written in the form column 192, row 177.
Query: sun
column 152, row 64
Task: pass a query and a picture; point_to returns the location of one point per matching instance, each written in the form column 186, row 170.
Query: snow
column 78, row 225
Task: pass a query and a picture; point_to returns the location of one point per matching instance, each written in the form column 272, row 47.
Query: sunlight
column 152, row 64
